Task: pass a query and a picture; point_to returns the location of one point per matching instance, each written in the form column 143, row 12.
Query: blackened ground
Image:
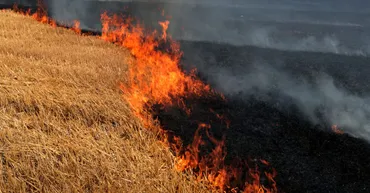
column 307, row 157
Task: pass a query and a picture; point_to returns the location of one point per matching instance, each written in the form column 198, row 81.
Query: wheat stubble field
column 64, row 126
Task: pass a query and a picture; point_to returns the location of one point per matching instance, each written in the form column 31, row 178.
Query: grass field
column 64, row 126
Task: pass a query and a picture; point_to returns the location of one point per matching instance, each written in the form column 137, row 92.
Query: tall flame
column 155, row 77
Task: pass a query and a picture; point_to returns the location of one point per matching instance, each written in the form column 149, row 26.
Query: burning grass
column 64, row 125
column 156, row 79
column 195, row 122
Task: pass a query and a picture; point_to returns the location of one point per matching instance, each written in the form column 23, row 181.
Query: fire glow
column 156, row 78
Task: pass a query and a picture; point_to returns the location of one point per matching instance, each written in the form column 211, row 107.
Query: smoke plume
column 320, row 99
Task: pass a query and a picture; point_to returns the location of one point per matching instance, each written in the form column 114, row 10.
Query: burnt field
column 264, row 124
column 308, row 157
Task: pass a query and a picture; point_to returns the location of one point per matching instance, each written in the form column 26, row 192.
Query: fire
column 41, row 15
column 164, row 27
column 217, row 173
column 76, row 27
column 156, row 78
column 223, row 118
column 336, row 129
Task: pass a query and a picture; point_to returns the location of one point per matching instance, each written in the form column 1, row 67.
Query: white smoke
column 337, row 106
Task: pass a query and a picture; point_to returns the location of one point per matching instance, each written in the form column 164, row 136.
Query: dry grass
column 63, row 124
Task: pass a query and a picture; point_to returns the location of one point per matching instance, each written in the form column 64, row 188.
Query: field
column 79, row 114
column 64, row 125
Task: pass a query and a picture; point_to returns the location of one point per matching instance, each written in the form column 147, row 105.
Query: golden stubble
column 64, row 125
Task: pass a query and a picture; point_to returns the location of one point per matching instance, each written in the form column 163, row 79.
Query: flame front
column 156, row 78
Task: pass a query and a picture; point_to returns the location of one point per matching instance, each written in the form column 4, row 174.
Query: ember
column 336, row 129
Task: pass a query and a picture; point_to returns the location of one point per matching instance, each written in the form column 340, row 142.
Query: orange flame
column 223, row 118
column 336, row 129
column 155, row 77
column 217, row 173
column 41, row 16
column 76, row 27
column 164, row 27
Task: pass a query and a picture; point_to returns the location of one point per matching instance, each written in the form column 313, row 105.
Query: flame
column 76, row 27
column 156, row 78
column 222, row 117
column 336, row 129
column 219, row 174
column 41, row 15
column 164, row 27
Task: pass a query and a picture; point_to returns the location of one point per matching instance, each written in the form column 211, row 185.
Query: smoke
column 319, row 100
column 290, row 26
column 312, row 27
column 339, row 28
column 65, row 12
column 265, row 37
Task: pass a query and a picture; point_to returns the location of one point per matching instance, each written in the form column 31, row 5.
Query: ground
column 64, row 125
